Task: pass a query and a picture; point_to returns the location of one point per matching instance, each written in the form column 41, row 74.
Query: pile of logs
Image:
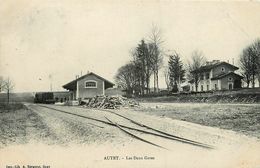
column 109, row 102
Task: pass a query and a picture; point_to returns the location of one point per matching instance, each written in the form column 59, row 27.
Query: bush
column 11, row 106
column 175, row 89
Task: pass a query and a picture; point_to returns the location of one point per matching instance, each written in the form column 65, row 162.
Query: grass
column 11, row 107
column 18, row 97
column 206, row 98
column 237, row 117
column 18, row 124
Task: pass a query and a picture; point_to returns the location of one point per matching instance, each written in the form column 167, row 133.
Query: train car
column 44, row 97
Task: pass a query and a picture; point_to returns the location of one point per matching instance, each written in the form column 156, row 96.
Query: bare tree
column 256, row 53
column 126, row 78
column 245, row 65
column 8, row 87
column 1, row 83
column 167, row 77
column 250, row 63
column 155, row 50
column 197, row 60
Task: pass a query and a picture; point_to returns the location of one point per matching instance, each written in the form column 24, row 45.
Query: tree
column 155, row 51
column 197, row 60
column 245, row 65
column 1, row 84
column 250, row 63
column 176, row 71
column 256, row 53
column 143, row 63
column 8, row 87
column 126, row 79
column 167, row 77
column 146, row 60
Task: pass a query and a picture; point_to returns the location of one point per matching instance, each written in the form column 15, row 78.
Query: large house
column 87, row 86
column 216, row 75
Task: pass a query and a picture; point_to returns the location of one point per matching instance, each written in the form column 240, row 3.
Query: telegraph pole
column 50, row 77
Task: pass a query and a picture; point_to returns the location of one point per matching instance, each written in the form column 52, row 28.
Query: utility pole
column 50, row 77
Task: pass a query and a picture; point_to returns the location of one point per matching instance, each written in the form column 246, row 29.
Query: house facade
column 216, row 75
column 87, row 86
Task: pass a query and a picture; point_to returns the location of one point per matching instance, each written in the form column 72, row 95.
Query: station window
column 201, row 88
column 90, row 84
column 222, row 69
column 230, row 79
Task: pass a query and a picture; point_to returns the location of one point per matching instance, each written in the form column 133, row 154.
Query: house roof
column 226, row 74
column 72, row 85
column 213, row 65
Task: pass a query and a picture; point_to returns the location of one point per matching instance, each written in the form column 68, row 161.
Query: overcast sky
column 63, row 38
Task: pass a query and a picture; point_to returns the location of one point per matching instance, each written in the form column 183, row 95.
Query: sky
column 61, row 39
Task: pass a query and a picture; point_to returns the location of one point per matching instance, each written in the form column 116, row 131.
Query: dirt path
column 61, row 137
column 71, row 130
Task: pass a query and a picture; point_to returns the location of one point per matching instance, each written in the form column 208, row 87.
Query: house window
column 207, row 75
column 230, row 86
column 222, row 69
column 230, row 79
column 216, row 87
column 201, row 77
column 207, row 87
column 201, row 88
column 90, row 84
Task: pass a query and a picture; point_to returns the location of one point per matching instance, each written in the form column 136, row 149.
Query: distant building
column 87, row 86
column 61, row 96
column 217, row 75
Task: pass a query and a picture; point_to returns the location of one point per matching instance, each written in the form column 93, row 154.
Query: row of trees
column 6, row 85
column 147, row 60
column 135, row 76
column 177, row 72
column 250, row 63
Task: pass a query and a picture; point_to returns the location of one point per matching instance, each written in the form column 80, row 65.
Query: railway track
column 139, row 128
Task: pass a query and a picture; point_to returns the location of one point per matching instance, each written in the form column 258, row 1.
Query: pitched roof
column 72, row 84
column 213, row 65
column 226, row 74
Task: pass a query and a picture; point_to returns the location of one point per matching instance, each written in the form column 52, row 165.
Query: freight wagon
column 44, row 97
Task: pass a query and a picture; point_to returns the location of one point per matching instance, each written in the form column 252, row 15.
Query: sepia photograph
column 132, row 83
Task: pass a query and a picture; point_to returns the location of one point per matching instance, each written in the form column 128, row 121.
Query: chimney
column 233, row 61
column 227, row 61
